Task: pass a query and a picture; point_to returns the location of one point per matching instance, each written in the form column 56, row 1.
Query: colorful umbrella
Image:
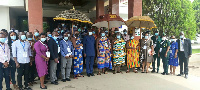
column 109, row 21
column 140, row 22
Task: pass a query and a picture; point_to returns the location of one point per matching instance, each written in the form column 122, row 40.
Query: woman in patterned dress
column 173, row 57
column 118, row 52
column 103, row 47
column 132, row 54
column 78, row 59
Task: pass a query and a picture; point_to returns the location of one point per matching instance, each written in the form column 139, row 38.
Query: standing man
column 4, row 62
column 184, row 53
column 164, row 53
column 126, row 37
column 67, row 53
column 36, row 34
column 156, row 44
column 22, row 53
column 54, row 50
column 89, row 52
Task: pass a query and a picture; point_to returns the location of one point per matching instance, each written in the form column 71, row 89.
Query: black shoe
column 56, row 80
column 20, row 89
column 92, row 74
column 179, row 74
column 9, row 89
column 163, row 73
column 64, row 80
column 88, row 75
column 68, row 79
column 167, row 74
column 153, row 71
column 186, row 76
column 44, row 87
column 27, row 88
column 55, row 83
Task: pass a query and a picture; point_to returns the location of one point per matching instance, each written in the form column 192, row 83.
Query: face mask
column 132, row 37
column 63, row 25
column 146, row 37
column 13, row 37
column 68, row 35
column 106, row 31
column 102, row 34
column 77, row 34
column 58, row 31
column 59, row 28
column 90, row 33
column 84, row 27
column 156, row 34
column 29, row 39
column 173, row 40
column 23, row 37
column 93, row 32
column 55, row 37
column 163, row 38
column 66, row 38
column 49, row 35
column 62, row 31
column 125, row 32
column 43, row 39
column 79, row 30
column 116, row 31
column 2, row 40
column 74, row 26
column 181, row 36
column 36, row 34
column 118, row 36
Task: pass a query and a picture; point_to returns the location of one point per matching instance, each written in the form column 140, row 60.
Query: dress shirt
column 18, row 51
column 63, row 48
column 181, row 44
column 4, row 53
column 126, row 38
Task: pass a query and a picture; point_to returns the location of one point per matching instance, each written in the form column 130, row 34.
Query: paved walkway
column 134, row 81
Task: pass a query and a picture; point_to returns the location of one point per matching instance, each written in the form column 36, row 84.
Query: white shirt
column 181, row 44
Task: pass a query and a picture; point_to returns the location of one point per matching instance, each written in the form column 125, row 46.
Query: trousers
column 158, row 63
column 12, row 67
column 53, row 68
column 23, row 70
column 66, row 65
column 183, row 59
column 4, row 72
column 89, row 64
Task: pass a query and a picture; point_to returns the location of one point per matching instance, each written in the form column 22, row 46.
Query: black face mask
column 77, row 34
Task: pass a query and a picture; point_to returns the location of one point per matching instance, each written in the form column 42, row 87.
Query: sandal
column 119, row 72
column 105, row 72
column 75, row 77
column 135, row 71
column 142, row 72
column 99, row 73
column 127, row 71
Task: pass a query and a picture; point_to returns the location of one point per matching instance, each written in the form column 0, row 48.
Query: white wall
column 11, row 3
column 5, row 18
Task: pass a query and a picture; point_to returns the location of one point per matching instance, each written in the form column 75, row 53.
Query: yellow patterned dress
column 133, row 54
column 118, row 52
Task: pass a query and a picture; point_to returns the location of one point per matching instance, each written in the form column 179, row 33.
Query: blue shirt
column 18, row 49
column 89, row 45
column 64, row 45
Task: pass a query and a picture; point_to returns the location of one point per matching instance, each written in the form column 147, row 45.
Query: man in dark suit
column 184, row 53
column 54, row 50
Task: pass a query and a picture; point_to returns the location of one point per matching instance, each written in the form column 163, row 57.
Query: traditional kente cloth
column 78, row 59
column 133, row 54
column 104, row 59
column 118, row 51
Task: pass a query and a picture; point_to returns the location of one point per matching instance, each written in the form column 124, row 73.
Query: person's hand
column 17, row 65
column 158, row 54
column 81, row 44
column 66, row 56
column 84, row 55
column 47, row 59
column 98, row 53
column 165, row 54
column 56, row 60
column 189, row 56
column 5, row 64
column 30, row 63
column 175, row 56
column 71, row 56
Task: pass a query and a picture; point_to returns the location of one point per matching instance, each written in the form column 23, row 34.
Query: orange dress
column 133, row 54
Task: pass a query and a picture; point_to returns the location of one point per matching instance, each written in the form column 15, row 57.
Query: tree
column 196, row 7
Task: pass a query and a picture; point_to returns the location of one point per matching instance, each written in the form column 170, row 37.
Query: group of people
column 63, row 52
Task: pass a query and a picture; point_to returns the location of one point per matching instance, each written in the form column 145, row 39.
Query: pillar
column 5, row 18
column 35, row 15
column 135, row 9
column 99, row 8
column 114, row 6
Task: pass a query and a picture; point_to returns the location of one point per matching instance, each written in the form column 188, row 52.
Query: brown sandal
column 99, row 73
column 135, row 71
column 105, row 72
column 127, row 71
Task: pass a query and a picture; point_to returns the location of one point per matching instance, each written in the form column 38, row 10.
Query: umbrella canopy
column 141, row 22
column 73, row 15
column 109, row 21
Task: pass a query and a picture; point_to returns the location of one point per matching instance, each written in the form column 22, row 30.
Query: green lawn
column 195, row 51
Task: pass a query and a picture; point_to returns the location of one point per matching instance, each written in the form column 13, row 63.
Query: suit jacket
column 187, row 47
column 53, row 48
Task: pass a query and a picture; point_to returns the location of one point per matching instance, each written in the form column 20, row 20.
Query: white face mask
column 90, row 33
column 163, row 38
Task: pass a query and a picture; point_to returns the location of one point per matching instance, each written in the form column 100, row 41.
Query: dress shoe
column 179, row 74
column 92, row 74
column 68, row 79
column 9, row 89
column 166, row 73
column 186, row 76
column 55, row 83
column 88, row 75
column 153, row 71
column 42, row 87
column 163, row 73
column 64, row 80
column 27, row 88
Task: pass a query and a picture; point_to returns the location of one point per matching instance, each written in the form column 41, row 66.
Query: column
column 35, row 15
column 99, row 8
column 135, row 9
column 114, row 6
column 5, row 18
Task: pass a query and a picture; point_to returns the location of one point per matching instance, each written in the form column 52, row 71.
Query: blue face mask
column 116, row 31
column 66, row 38
column 181, row 36
column 146, row 37
column 79, row 29
column 102, row 34
column 13, row 37
column 125, row 32
column 43, row 39
column 49, row 35
column 2, row 40
column 118, row 36
column 55, row 37
column 30, row 39
column 132, row 37
column 156, row 34
column 62, row 31
column 58, row 31
column 23, row 37
column 93, row 32
column 90, row 33
column 36, row 34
